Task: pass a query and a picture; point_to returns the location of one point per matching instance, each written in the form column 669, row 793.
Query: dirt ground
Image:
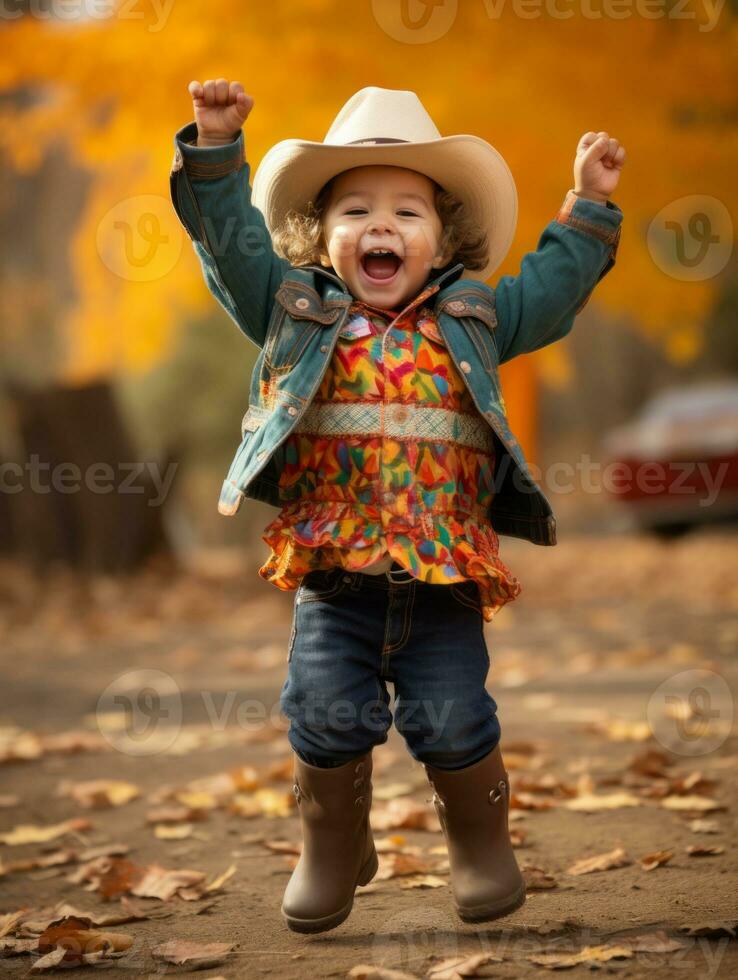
column 614, row 674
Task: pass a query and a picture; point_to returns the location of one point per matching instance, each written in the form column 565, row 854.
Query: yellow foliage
column 115, row 89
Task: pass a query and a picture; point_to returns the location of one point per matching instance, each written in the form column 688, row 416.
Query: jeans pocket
column 293, row 633
column 466, row 594
column 321, row 584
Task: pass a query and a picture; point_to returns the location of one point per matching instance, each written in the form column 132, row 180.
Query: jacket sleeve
column 211, row 194
column 575, row 251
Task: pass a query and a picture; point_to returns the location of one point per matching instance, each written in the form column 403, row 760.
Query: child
column 377, row 426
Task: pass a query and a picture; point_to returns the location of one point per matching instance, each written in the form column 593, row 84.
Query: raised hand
column 220, row 107
column 599, row 160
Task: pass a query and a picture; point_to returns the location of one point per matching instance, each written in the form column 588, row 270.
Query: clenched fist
column 221, row 108
column 597, row 166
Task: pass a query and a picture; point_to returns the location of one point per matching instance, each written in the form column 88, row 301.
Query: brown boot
column 472, row 806
column 338, row 847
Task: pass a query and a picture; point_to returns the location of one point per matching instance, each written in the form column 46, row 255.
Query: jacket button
column 457, row 306
column 302, row 303
column 465, row 367
column 292, row 410
column 323, row 348
column 261, row 454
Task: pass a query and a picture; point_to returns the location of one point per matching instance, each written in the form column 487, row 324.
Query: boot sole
column 485, row 913
column 335, row 918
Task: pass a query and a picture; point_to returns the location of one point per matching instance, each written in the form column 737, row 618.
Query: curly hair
column 299, row 239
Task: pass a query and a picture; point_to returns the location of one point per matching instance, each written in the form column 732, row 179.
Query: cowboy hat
column 388, row 126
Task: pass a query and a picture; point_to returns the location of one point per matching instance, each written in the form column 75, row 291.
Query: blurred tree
column 103, row 282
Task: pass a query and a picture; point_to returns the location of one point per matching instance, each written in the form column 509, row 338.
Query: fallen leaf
column 423, row 881
column 536, row 879
column 404, row 813
column 392, row 790
column 702, row 826
column 704, row 850
column 712, row 929
column 216, row 884
column 607, row 801
column 600, row 862
column 655, row 860
column 458, row 967
column 651, row 942
column 179, row 831
column 702, row 803
column 99, row 793
column 396, row 865
column 365, row 971
column 282, row 846
column 589, row 954
column 33, row 834
column 198, row 956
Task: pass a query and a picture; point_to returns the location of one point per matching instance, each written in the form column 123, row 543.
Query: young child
column 377, row 426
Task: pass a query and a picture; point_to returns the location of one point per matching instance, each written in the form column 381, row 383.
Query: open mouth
column 380, row 265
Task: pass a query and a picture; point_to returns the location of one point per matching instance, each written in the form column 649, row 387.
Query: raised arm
column 575, row 251
column 210, row 190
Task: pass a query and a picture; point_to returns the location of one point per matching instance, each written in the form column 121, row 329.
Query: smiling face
column 382, row 233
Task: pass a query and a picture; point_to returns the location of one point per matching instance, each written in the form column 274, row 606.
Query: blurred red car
column 677, row 462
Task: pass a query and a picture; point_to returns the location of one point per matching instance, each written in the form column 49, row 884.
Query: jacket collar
column 445, row 277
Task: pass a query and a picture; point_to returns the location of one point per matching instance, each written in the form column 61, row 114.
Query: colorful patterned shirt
column 391, row 460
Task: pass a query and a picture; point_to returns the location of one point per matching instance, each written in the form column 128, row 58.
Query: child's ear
column 440, row 260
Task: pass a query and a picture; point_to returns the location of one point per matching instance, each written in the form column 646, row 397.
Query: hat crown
column 382, row 115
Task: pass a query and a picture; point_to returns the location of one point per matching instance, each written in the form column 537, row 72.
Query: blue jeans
column 351, row 632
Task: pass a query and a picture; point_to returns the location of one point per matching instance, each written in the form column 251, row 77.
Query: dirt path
column 587, row 669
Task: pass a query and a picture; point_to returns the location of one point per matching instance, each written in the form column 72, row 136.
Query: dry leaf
column 651, row 942
column 536, row 879
column 33, row 834
column 392, row 790
column 423, row 881
column 701, row 826
column 704, row 850
column 282, row 846
column 99, row 793
column 396, row 865
column 365, row 971
column 216, row 884
column 591, row 803
column 458, row 967
column 404, row 813
column 702, row 803
column 198, row 956
column 713, row 929
column 173, row 831
column 655, row 860
column 600, row 862
column 589, row 954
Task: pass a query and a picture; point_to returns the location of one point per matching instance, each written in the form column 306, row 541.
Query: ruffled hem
column 442, row 549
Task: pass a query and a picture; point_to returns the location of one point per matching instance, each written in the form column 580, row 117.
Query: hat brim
column 293, row 171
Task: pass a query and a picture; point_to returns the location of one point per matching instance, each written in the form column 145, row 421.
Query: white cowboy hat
column 387, row 126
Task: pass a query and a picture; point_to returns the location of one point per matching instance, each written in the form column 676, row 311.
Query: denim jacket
column 294, row 315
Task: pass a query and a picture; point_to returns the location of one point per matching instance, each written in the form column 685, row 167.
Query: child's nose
column 380, row 224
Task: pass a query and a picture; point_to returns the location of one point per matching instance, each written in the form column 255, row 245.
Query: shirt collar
column 444, row 277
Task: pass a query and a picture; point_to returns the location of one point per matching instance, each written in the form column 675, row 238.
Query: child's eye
column 356, row 211
column 405, row 211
